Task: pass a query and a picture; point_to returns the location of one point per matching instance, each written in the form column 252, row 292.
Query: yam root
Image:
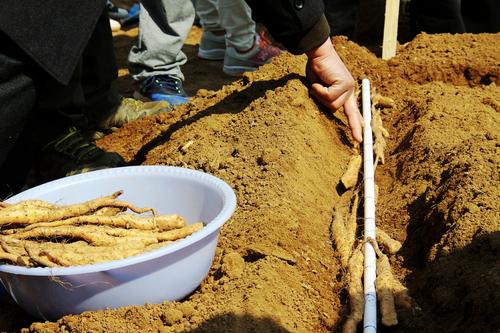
column 30, row 204
column 57, row 260
column 355, row 291
column 400, row 294
column 338, row 234
column 350, row 177
column 108, row 211
column 179, row 233
column 390, row 245
column 161, row 222
column 351, row 223
column 37, row 233
column 34, row 254
column 380, row 134
column 91, row 236
column 9, row 257
column 383, row 284
column 28, row 215
column 383, row 102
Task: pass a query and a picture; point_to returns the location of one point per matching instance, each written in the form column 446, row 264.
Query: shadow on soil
column 227, row 323
column 232, row 323
column 458, row 291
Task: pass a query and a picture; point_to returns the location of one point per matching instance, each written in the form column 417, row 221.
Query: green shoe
column 73, row 153
column 132, row 109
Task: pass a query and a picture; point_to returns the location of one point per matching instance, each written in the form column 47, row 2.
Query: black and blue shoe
column 164, row 88
column 114, row 12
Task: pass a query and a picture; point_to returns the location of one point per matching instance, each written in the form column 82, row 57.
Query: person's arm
column 302, row 27
column 333, row 85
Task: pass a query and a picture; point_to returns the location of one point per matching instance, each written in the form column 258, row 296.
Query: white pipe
column 370, row 269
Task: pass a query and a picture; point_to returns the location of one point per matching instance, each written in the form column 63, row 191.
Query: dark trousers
column 34, row 107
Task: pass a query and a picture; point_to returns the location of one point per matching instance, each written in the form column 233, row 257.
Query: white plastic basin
column 170, row 273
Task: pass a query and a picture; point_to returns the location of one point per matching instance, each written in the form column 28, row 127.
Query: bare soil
column 276, row 269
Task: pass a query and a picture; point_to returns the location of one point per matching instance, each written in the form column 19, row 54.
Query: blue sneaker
column 164, row 88
column 133, row 15
column 114, row 12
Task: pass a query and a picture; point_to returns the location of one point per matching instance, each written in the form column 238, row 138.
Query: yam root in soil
column 380, row 135
column 390, row 292
column 338, row 231
column 390, row 245
column 355, row 291
column 38, row 233
column 350, row 177
column 344, row 230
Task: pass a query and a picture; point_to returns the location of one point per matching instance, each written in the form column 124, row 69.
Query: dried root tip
column 390, row 245
column 355, row 291
column 385, row 296
column 350, row 177
column 179, row 233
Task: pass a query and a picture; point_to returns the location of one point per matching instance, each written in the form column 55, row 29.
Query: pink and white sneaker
column 236, row 63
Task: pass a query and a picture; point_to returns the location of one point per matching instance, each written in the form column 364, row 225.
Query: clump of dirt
column 276, row 269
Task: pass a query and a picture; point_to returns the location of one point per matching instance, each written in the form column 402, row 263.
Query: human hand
column 333, row 85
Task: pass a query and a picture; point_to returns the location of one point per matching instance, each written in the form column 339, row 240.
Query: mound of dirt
column 276, row 268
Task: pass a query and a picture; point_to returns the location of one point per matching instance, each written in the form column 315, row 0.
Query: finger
column 332, row 104
column 354, row 118
column 328, row 94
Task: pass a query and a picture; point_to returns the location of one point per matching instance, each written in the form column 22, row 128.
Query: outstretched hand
column 333, row 85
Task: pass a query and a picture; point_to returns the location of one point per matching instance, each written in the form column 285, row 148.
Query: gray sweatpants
column 163, row 28
column 233, row 16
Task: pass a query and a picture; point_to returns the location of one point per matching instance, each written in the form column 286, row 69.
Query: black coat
column 52, row 32
column 299, row 24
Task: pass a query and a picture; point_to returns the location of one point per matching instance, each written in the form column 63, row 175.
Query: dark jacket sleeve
column 299, row 24
column 52, row 32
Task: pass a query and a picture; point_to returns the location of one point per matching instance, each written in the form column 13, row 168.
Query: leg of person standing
column 213, row 38
column 17, row 100
column 157, row 58
column 245, row 50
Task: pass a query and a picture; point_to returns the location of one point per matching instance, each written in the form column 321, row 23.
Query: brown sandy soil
column 276, row 268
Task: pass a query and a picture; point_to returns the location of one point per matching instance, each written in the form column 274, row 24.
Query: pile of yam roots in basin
column 344, row 228
column 36, row 233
